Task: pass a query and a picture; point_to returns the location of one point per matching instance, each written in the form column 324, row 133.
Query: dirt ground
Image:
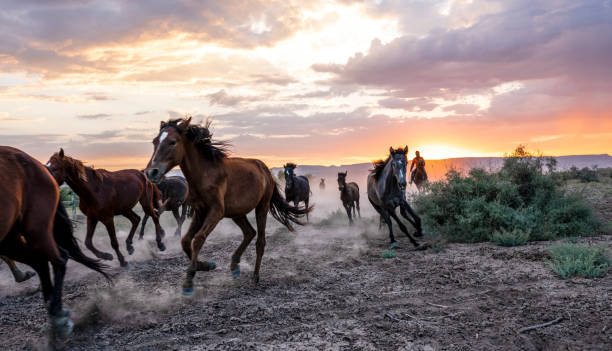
column 324, row 287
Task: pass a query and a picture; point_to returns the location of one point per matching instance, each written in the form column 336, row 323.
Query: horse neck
column 387, row 181
column 194, row 165
column 79, row 186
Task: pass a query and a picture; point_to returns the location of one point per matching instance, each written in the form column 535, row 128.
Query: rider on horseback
column 417, row 163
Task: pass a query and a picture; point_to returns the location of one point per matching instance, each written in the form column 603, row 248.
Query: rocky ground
column 324, row 287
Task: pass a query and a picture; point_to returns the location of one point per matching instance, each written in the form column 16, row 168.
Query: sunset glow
column 320, row 82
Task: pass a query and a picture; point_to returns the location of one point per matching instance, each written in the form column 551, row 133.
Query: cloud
column 420, row 104
column 462, row 109
column 524, row 41
column 94, row 116
column 221, row 97
column 52, row 37
column 274, row 79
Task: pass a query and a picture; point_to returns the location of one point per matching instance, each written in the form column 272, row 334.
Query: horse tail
column 285, row 213
column 64, row 237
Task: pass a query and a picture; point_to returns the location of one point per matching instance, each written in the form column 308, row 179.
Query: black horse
column 174, row 192
column 297, row 188
column 349, row 194
column 387, row 191
column 322, row 184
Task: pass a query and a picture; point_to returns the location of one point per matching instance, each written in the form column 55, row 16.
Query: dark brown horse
column 36, row 230
column 18, row 274
column 387, row 191
column 322, row 184
column 349, row 195
column 104, row 195
column 220, row 187
column 173, row 193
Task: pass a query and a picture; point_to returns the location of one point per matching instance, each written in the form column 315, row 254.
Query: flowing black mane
column 290, row 165
column 201, row 137
column 379, row 165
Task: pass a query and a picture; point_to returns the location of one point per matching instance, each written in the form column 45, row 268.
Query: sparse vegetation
column 570, row 260
column 388, row 254
column 334, row 218
column 520, row 198
column 515, row 237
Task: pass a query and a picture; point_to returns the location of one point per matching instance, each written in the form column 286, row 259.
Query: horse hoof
column 255, row 280
column 211, row 265
column 161, row 246
column 106, row 256
column 394, row 245
column 187, row 291
column 140, row 237
column 130, row 249
column 123, row 264
column 62, row 326
column 236, row 273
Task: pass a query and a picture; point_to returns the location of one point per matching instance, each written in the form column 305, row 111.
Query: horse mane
column 379, row 165
column 79, row 168
column 290, row 165
column 201, row 137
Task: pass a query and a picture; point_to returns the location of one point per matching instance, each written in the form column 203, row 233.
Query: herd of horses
column 36, row 230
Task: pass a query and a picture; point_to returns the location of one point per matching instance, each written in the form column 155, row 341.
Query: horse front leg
column 210, row 222
column 412, row 217
column 347, row 207
column 110, row 228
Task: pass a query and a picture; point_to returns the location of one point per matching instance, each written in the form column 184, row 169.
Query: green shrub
column 514, row 237
column 570, row 260
column 66, row 194
column 521, row 197
column 388, row 254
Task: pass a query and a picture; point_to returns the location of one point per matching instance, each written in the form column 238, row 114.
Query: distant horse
column 349, row 195
column 387, row 191
column 219, row 187
column 174, row 191
column 36, row 230
column 420, row 176
column 18, row 274
column 322, row 184
column 105, row 194
column 297, row 188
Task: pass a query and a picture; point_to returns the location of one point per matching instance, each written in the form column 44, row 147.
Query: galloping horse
column 219, row 186
column 297, row 188
column 36, row 230
column 322, row 184
column 174, row 191
column 105, row 194
column 420, row 176
column 349, row 195
column 18, row 274
column 387, row 191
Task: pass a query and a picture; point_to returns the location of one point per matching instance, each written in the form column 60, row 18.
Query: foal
column 104, row 195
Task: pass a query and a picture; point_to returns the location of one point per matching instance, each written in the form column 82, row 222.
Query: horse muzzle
column 154, row 174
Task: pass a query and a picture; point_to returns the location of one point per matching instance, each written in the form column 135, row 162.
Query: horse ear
column 162, row 125
column 391, row 150
column 405, row 149
column 184, row 124
column 345, row 173
column 61, row 153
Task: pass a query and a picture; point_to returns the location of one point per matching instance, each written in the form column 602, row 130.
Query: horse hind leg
column 261, row 214
column 248, row 233
column 358, row 209
column 177, row 217
column 384, row 216
column 142, row 226
column 18, row 274
column 134, row 219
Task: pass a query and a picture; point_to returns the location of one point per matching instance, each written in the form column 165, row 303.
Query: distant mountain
column 436, row 169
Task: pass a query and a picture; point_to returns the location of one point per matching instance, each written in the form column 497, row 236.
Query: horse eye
column 172, row 143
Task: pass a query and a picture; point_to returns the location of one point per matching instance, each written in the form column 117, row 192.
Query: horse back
column 243, row 183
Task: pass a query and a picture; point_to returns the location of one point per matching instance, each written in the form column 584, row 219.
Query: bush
column 66, row 194
column 518, row 198
column 505, row 237
column 570, row 260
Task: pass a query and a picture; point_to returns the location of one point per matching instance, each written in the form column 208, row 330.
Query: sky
column 311, row 82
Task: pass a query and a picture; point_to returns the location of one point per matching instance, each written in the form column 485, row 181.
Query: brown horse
column 219, row 186
column 18, row 274
column 36, row 230
column 173, row 192
column 105, row 194
column 322, row 184
column 349, row 195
